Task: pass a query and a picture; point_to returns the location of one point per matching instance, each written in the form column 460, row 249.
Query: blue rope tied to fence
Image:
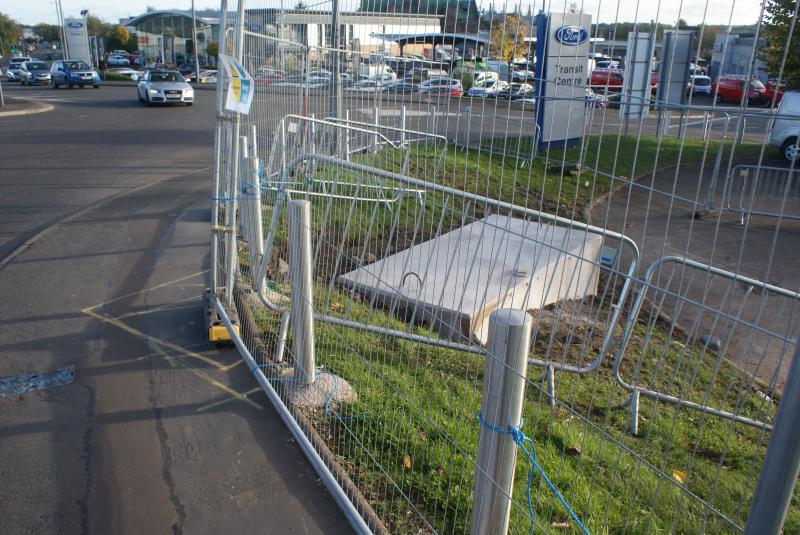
column 520, row 439
column 328, row 412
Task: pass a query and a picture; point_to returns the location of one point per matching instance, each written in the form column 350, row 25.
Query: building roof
column 133, row 21
column 434, row 38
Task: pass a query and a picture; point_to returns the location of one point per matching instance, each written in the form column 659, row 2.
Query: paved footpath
column 104, row 221
column 663, row 225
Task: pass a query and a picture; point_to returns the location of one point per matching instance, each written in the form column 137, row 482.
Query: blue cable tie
column 328, row 412
column 520, row 438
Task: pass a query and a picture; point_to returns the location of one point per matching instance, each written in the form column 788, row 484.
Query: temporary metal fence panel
column 390, row 244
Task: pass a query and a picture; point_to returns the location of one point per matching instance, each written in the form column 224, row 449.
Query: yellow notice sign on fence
column 240, row 85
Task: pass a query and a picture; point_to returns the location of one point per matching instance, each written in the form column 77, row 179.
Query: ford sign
column 572, row 35
column 75, row 24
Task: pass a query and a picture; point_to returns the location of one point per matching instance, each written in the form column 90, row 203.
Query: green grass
column 422, row 401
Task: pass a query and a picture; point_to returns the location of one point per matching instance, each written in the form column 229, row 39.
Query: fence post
column 375, row 140
column 781, row 466
column 346, row 136
column 402, row 124
column 505, row 371
column 300, row 273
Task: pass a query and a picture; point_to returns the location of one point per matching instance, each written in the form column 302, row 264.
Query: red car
column 731, row 88
column 609, row 80
column 775, row 90
column 606, row 80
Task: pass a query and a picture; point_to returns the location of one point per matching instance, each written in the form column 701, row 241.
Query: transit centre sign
column 562, row 65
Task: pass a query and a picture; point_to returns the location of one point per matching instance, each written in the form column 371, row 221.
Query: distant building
column 166, row 36
column 359, row 31
column 456, row 16
column 732, row 54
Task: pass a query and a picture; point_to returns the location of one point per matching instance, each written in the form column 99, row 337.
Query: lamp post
column 84, row 13
column 194, row 42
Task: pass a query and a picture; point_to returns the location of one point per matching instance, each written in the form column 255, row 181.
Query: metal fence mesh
column 655, row 256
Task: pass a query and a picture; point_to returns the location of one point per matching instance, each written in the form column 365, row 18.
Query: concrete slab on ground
column 456, row 280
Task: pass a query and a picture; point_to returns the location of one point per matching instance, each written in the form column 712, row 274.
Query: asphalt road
column 104, row 236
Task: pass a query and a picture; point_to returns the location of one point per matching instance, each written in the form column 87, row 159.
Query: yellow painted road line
column 158, row 308
column 210, row 380
column 187, row 277
column 158, row 341
column 226, row 400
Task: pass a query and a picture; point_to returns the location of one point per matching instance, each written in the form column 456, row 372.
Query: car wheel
column 719, row 99
column 96, row 86
column 789, row 150
column 149, row 102
column 67, row 83
column 189, row 103
column 54, row 84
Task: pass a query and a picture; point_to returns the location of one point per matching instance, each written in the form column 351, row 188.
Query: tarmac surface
column 104, row 232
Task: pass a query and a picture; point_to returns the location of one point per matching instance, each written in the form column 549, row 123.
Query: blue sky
column 694, row 11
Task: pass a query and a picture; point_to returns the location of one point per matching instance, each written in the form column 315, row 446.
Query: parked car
column 606, row 80
column 595, row 100
column 523, row 75
column 774, row 90
column 12, row 72
column 786, row 129
column 731, row 88
column 402, row 87
column 208, row 76
column 487, row 88
column 442, row 86
column 515, row 91
column 365, row 86
column 117, row 60
column 699, row 84
column 70, row 73
column 166, row 87
column 133, row 74
column 34, row 72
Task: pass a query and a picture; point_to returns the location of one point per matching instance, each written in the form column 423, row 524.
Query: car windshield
column 166, row 77
column 756, row 84
column 75, row 65
column 702, row 81
column 36, row 66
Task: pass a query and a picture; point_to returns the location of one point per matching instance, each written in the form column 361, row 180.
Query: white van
column 786, row 127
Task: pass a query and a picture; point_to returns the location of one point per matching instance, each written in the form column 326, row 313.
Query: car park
column 732, row 87
column 34, row 72
column 12, row 72
column 70, row 73
column 133, row 74
column 699, row 84
column 164, row 87
column 785, row 130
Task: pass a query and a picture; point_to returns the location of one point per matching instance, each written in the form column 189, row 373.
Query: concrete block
column 455, row 281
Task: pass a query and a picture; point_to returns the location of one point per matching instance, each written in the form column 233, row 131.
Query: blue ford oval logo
column 572, row 35
column 75, row 25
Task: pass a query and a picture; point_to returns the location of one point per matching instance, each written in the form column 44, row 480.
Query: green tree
column 779, row 18
column 97, row 26
column 119, row 38
column 508, row 38
column 48, row 32
column 9, row 33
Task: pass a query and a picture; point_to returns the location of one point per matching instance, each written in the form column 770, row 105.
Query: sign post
column 77, row 40
column 562, row 69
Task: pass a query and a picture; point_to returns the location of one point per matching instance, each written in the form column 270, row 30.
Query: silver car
column 164, row 87
column 34, row 72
